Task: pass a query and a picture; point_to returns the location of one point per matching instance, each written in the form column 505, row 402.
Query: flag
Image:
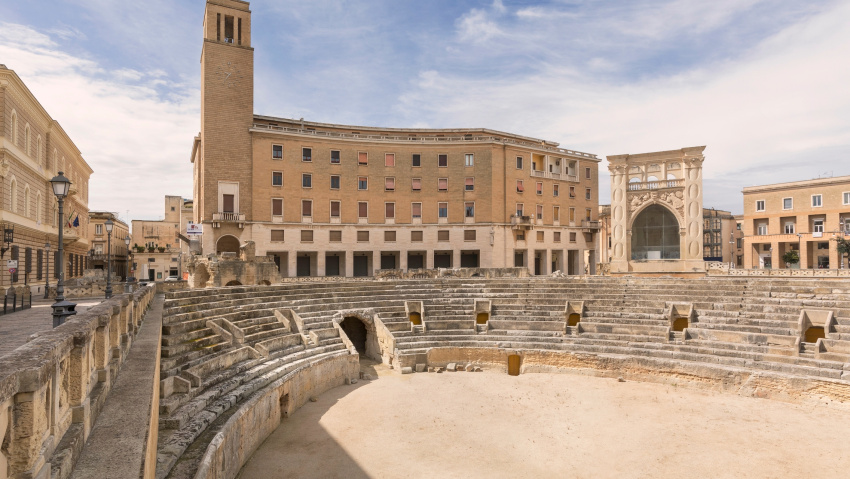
column 70, row 215
column 77, row 221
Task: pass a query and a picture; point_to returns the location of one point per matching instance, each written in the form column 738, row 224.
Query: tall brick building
column 33, row 149
column 328, row 199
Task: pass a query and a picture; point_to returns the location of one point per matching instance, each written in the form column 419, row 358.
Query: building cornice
column 510, row 141
column 793, row 185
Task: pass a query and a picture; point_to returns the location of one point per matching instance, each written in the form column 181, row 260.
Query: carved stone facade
column 672, row 180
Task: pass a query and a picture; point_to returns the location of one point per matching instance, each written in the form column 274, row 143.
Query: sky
column 763, row 84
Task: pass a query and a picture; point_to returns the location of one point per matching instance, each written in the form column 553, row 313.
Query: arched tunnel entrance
column 356, row 332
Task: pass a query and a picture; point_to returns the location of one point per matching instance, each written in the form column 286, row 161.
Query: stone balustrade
column 53, row 387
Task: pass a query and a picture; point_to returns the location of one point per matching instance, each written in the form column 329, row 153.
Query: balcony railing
column 656, row 185
column 105, row 257
column 590, row 226
column 522, row 222
column 227, row 217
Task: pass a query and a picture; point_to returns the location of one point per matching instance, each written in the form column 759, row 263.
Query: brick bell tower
column 223, row 189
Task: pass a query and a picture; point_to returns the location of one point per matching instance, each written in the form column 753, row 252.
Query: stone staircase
column 219, row 346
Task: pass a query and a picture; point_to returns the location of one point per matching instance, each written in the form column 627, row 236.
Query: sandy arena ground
column 548, row 425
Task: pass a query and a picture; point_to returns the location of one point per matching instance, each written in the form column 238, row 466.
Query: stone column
column 619, row 217
column 402, row 260
column 293, row 264
column 804, row 254
column 692, row 254
column 320, row 263
column 349, row 264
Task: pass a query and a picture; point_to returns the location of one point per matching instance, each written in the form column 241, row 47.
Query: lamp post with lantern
column 109, row 224
column 47, row 275
column 61, row 308
column 127, row 267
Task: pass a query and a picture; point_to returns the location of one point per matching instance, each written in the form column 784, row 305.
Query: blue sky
column 762, row 83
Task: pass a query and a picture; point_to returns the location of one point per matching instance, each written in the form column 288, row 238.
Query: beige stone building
column 719, row 227
column 327, row 199
column 656, row 212
column 159, row 251
column 101, row 250
column 33, row 149
column 804, row 216
column 738, row 237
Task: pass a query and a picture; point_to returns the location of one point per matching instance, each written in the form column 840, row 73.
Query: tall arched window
column 27, row 141
column 13, row 195
column 27, row 211
column 38, row 157
column 55, row 156
column 14, row 126
column 38, row 216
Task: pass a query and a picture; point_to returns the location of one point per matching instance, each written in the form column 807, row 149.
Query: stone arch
column 367, row 346
column 655, row 233
column 265, row 282
column 233, row 282
column 201, row 276
column 227, row 244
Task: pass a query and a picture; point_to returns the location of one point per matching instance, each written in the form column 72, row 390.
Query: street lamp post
column 127, row 267
column 108, row 225
column 61, row 308
column 47, row 275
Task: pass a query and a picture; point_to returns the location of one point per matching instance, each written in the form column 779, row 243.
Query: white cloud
column 134, row 128
column 783, row 101
column 477, row 27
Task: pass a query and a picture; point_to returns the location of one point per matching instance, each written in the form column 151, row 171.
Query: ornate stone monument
column 656, row 212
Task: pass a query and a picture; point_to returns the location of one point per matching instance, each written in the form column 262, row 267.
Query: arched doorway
column 655, row 234
column 227, row 244
column 233, row 283
column 355, row 329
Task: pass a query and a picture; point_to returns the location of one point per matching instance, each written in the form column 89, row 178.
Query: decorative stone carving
column 4, row 167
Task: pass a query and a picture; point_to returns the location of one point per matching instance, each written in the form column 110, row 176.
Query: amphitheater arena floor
column 493, row 425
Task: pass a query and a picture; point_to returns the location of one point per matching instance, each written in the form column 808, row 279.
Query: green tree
column 791, row 257
column 843, row 248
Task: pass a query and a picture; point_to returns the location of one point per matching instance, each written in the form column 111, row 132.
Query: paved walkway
column 17, row 327
column 118, row 443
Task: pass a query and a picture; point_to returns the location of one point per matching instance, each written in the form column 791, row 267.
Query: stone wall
column 257, row 418
column 53, row 387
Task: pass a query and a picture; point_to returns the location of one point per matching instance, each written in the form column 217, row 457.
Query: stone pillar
column 376, row 262
column 692, row 254
column 804, row 254
column 293, row 264
column 402, row 260
column 776, row 256
column 349, row 264
column 320, row 263
column 619, row 217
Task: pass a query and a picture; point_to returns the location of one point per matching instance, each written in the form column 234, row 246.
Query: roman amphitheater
column 445, row 375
